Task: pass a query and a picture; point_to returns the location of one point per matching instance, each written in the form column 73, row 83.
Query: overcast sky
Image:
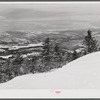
column 54, row 6
column 46, row 15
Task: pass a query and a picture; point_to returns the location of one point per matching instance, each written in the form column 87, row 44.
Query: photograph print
column 50, row 45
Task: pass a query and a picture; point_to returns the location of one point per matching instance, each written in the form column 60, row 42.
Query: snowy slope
column 83, row 73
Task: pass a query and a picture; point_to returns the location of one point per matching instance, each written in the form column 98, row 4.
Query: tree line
column 52, row 56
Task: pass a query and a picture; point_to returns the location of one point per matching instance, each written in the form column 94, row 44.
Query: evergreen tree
column 59, row 53
column 57, row 49
column 69, row 57
column 74, row 55
column 90, row 43
column 52, row 56
column 17, row 59
column 46, row 49
column 46, row 54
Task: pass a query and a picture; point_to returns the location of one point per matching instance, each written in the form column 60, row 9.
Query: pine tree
column 69, row 57
column 58, row 53
column 60, row 56
column 17, row 59
column 90, row 43
column 52, row 56
column 57, row 49
column 46, row 49
column 74, row 55
column 46, row 54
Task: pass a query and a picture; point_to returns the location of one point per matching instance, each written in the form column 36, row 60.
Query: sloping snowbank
column 83, row 73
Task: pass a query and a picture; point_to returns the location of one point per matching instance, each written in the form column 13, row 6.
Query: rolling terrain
column 67, row 38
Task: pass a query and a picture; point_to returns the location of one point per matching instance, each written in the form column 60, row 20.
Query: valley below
column 31, row 42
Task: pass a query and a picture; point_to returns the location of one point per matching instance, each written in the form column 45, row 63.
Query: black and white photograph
column 50, row 45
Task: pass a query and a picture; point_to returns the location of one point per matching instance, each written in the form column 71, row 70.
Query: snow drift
column 82, row 73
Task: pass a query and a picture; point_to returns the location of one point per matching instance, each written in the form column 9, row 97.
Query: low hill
column 82, row 73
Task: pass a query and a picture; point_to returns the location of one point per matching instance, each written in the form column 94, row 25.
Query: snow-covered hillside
column 83, row 73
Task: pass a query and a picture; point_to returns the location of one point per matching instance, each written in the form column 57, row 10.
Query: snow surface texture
column 82, row 73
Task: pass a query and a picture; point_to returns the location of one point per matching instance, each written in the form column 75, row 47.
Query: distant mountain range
column 69, row 39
